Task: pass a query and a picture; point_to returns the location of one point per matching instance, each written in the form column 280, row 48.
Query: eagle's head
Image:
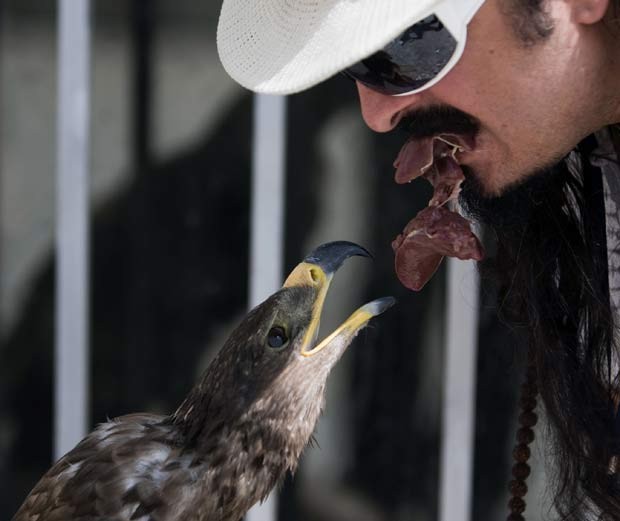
column 258, row 402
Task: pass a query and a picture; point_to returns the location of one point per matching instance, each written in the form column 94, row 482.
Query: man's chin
column 506, row 207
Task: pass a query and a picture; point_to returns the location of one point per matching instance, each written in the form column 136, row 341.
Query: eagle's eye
column 277, row 337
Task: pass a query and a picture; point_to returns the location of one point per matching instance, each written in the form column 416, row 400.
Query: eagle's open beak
column 317, row 270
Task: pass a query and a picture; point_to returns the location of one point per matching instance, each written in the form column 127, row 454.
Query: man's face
column 531, row 103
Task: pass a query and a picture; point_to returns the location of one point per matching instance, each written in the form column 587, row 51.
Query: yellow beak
column 310, row 274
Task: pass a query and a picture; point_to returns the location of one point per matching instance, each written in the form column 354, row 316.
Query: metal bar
column 459, row 405
column 266, row 249
column 71, row 356
column 267, row 216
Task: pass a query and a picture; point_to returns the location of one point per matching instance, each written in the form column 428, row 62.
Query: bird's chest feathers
column 247, row 457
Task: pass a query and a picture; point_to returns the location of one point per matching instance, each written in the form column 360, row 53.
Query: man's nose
column 382, row 113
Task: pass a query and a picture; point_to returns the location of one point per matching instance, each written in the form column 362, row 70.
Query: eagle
column 235, row 435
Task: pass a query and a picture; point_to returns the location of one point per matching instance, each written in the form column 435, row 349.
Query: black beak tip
column 330, row 256
column 383, row 304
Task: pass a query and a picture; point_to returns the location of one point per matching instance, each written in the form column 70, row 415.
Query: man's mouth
column 436, row 231
column 418, row 156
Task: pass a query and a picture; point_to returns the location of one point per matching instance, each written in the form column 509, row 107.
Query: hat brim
column 286, row 46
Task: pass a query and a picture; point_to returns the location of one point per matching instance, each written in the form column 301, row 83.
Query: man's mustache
column 438, row 119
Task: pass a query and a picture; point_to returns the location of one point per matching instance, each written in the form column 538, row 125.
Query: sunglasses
column 421, row 55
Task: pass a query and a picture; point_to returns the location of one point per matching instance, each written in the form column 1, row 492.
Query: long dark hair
column 552, row 264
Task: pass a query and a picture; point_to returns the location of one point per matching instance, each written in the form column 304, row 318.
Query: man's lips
column 417, row 156
column 436, row 231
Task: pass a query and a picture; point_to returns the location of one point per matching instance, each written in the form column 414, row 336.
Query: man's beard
column 513, row 208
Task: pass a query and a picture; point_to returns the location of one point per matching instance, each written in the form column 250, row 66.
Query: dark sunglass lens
column 408, row 62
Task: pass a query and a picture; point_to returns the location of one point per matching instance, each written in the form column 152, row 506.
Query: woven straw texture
column 285, row 46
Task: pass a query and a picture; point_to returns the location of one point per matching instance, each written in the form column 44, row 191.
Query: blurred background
column 170, row 194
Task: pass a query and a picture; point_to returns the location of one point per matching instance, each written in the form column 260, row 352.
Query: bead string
column 525, row 435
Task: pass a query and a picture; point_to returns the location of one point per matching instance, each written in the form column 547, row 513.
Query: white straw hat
column 285, row 46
